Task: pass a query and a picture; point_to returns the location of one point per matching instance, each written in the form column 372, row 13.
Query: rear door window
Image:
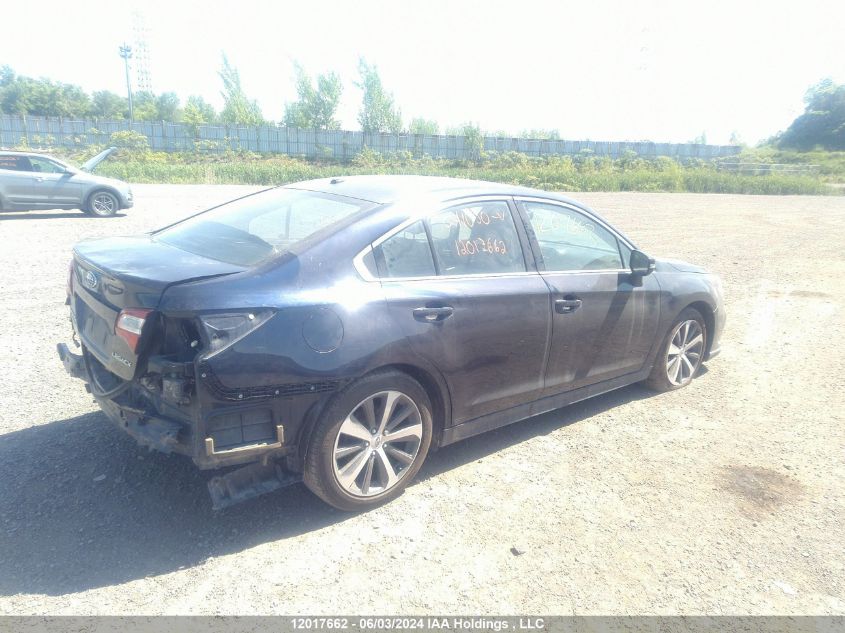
column 476, row 238
column 14, row 163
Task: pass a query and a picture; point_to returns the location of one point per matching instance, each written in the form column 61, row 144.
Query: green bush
column 129, row 139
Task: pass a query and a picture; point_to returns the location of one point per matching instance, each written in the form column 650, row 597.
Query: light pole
column 126, row 53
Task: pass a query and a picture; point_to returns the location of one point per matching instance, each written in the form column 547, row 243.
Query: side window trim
column 434, row 257
column 524, row 242
column 535, row 245
column 531, row 263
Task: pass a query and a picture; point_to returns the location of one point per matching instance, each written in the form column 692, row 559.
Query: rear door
column 603, row 320
column 16, row 179
column 469, row 302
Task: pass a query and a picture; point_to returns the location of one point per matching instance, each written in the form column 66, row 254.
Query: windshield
column 251, row 230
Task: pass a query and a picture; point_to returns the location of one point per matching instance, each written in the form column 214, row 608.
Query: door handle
column 39, row 179
column 433, row 315
column 567, row 306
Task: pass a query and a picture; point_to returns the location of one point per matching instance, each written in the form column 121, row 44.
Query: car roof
column 13, row 152
column 387, row 189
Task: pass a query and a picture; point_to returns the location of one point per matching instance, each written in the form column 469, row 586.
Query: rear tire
column 353, row 467
column 681, row 353
column 102, row 204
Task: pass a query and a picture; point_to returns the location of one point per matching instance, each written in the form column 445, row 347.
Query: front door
column 604, row 320
column 460, row 288
column 53, row 185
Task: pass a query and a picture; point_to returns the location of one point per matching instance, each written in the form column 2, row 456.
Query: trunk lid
column 99, row 158
column 128, row 272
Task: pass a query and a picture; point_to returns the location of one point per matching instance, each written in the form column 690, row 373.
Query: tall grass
column 830, row 165
column 560, row 173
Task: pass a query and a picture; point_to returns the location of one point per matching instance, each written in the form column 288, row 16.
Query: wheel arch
column 707, row 313
column 437, row 392
column 87, row 201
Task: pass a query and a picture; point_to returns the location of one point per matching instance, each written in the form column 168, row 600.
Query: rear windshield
column 251, row 230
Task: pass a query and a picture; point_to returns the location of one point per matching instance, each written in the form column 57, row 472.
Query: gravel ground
column 723, row 498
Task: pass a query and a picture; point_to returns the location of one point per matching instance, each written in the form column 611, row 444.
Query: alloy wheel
column 686, row 348
column 377, row 443
column 685, row 351
column 103, row 204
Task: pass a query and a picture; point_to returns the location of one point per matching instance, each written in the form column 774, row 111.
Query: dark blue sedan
column 337, row 330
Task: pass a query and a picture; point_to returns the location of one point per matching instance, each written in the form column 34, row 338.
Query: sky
column 598, row 70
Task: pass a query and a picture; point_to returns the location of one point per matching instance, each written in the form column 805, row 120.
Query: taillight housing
column 130, row 324
column 224, row 329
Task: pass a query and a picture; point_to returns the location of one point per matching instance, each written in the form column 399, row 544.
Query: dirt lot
column 724, row 498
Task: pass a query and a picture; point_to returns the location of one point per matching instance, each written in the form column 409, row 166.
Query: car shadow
column 82, row 506
column 40, row 215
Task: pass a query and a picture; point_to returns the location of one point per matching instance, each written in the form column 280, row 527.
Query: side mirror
column 641, row 264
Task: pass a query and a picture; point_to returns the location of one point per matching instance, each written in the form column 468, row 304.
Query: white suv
column 35, row 181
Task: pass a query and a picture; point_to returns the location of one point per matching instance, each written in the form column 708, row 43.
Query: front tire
column 103, row 204
column 681, row 353
column 370, row 442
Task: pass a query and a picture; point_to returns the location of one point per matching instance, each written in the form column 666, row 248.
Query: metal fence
column 336, row 144
column 762, row 169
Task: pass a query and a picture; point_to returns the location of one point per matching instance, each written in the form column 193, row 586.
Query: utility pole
column 126, row 53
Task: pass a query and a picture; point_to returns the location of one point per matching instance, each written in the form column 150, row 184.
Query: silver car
column 35, row 181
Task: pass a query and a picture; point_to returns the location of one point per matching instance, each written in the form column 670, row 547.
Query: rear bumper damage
column 137, row 412
column 156, row 433
column 74, row 363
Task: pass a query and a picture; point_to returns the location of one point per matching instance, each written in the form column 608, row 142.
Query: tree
column 545, row 135
column 14, row 97
column 423, row 126
column 144, row 104
column 378, row 112
column 237, row 107
column 701, row 139
column 315, row 107
column 151, row 107
column 167, row 107
column 108, row 105
column 7, row 75
column 473, row 140
column 823, row 122
column 41, row 97
column 198, row 111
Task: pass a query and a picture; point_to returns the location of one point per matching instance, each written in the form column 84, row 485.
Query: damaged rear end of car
column 154, row 320
column 143, row 365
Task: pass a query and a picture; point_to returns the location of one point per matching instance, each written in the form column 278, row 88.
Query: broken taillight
column 130, row 324
column 69, row 287
column 224, row 329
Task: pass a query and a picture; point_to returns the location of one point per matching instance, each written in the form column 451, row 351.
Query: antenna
column 126, row 54
column 141, row 52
